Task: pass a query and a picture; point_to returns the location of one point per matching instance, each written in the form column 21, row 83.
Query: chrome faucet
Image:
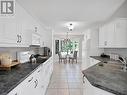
column 123, row 60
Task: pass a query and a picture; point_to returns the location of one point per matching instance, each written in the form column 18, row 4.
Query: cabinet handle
column 105, row 43
column 18, row 39
column 83, row 78
column 39, row 71
column 36, row 83
column 30, row 79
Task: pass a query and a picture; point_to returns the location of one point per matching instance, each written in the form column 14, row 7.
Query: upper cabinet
column 121, row 33
column 9, row 35
column 113, row 34
column 23, row 30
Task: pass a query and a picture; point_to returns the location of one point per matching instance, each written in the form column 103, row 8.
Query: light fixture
column 70, row 28
column 66, row 40
column 35, row 29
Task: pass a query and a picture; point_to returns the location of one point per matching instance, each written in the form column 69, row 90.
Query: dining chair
column 73, row 57
column 62, row 57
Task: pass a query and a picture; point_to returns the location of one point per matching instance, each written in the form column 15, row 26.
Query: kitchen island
column 108, row 76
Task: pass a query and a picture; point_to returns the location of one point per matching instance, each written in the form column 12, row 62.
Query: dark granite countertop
column 102, row 59
column 109, row 77
column 10, row 79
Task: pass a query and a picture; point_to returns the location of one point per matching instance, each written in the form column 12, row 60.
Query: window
column 70, row 46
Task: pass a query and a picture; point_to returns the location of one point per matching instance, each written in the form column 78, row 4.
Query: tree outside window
column 70, row 46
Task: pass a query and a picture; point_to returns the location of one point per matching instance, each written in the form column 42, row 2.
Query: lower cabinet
column 37, row 82
column 89, row 89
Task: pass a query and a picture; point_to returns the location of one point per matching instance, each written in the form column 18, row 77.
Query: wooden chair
column 73, row 57
column 62, row 57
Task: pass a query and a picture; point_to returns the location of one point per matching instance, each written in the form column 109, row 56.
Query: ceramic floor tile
column 73, row 85
column 62, row 91
column 75, row 92
column 62, row 85
column 74, row 80
column 51, row 92
column 66, row 80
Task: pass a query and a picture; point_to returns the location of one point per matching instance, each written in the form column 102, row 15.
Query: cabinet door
column 87, row 88
column 98, row 91
column 24, row 88
column 103, row 36
column 38, row 81
column 110, row 35
column 15, row 91
column 2, row 26
column 8, row 34
column 24, row 35
column 121, row 33
column 107, row 36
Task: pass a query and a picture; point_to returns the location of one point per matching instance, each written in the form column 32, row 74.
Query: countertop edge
column 8, row 91
column 99, row 86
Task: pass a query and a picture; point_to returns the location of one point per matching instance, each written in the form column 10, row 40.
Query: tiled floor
column 66, row 80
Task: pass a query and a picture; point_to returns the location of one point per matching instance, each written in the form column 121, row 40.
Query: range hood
column 36, row 40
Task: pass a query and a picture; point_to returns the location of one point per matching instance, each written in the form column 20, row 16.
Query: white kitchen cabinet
column 25, row 88
column 11, row 35
column 37, row 82
column 89, row 89
column 107, row 36
column 25, row 35
column 102, row 36
column 8, row 34
column 113, row 34
column 121, row 33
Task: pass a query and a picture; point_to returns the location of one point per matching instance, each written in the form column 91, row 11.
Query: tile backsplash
column 121, row 51
column 13, row 50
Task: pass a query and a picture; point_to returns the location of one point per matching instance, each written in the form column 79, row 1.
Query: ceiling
column 55, row 13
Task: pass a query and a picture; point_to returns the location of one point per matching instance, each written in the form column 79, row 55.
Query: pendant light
column 70, row 28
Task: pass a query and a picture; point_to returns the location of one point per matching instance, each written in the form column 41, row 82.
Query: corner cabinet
column 37, row 82
column 89, row 89
column 113, row 34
